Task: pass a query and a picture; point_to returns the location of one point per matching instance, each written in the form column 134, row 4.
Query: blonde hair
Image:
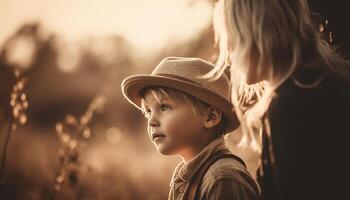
column 267, row 39
column 197, row 106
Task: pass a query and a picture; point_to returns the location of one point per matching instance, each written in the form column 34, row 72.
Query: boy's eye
column 164, row 107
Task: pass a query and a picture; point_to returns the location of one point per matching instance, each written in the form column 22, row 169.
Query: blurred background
column 66, row 132
column 71, row 57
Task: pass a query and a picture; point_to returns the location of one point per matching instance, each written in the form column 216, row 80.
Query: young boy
column 188, row 116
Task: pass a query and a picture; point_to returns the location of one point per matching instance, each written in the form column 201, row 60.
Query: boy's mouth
column 157, row 135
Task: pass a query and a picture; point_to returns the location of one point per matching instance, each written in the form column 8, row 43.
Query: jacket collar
column 184, row 171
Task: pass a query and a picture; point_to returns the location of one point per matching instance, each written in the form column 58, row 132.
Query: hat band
column 177, row 77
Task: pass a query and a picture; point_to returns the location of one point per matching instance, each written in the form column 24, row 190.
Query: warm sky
column 147, row 24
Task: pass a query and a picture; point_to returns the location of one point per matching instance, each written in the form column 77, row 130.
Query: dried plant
column 73, row 133
column 19, row 105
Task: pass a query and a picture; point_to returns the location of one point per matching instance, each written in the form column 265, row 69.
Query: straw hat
column 184, row 74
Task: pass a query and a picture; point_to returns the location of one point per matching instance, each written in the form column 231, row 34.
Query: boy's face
column 172, row 126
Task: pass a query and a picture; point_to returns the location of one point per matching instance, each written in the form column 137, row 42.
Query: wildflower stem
column 3, row 160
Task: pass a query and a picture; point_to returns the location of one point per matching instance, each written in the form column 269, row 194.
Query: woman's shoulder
column 314, row 84
column 306, row 100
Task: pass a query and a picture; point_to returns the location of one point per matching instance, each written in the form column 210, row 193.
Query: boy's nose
column 153, row 121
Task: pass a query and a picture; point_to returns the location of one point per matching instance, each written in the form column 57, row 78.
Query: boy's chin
column 164, row 151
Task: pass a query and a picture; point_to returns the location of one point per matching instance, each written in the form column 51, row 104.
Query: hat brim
column 133, row 86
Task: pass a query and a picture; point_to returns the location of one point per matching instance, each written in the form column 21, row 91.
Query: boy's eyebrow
column 166, row 100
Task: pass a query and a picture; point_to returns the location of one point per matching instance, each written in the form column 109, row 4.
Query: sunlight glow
column 148, row 24
column 21, row 52
column 113, row 135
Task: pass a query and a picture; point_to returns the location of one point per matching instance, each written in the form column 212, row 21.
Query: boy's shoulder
column 228, row 170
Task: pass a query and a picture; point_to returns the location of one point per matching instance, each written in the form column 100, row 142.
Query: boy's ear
column 213, row 117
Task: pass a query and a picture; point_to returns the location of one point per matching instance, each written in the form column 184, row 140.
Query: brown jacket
column 225, row 179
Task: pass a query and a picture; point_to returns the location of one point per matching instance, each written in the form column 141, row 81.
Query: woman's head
column 263, row 39
column 265, row 42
